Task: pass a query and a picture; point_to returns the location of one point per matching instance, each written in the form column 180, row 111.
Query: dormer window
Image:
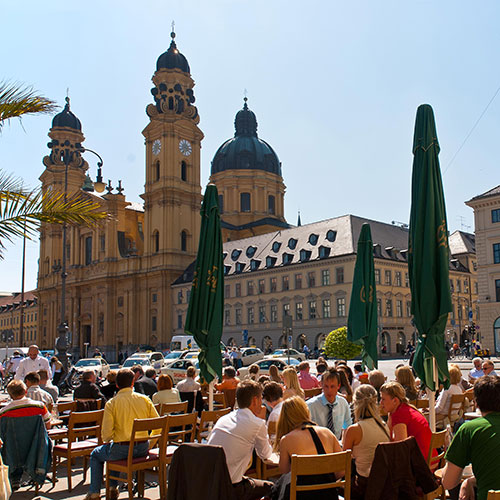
column 324, row 252
column 331, row 235
column 292, row 243
column 287, row 258
column 251, row 251
column 227, row 270
column 240, row 266
column 270, row 261
column 235, row 254
column 313, row 239
column 276, row 246
column 305, row 255
column 254, row 264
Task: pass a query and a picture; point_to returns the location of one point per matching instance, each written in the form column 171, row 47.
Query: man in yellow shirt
column 119, row 415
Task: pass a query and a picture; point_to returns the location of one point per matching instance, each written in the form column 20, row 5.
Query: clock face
column 185, row 147
column 156, row 147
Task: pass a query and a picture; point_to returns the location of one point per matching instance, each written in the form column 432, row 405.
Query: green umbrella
column 428, row 256
column 206, row 303
column 362, row 321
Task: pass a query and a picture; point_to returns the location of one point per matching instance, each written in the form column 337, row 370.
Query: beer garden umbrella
column 362, row 321
column 428, row 258
column 206, row 302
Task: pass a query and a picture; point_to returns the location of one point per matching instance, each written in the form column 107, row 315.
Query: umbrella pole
column 432, row 396
column 211, row 395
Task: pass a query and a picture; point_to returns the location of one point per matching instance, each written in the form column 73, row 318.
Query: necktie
column 329, row 422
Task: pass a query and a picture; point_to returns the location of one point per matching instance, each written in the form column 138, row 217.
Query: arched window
column 183, row 171
column 156, row 241
column 157, row 171
column 221, row 203
column 245, row 205
column 184, row 241
column 271, row 204
column 496, row 332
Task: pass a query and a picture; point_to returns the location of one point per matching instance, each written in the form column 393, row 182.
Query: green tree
column 337, row 346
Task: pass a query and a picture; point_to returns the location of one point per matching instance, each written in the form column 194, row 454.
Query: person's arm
column 399, row 432
column 467, row 489
column 285, row 460
column 20, row 372
column 107, row 424
column 352, row 437
column 441, row 402
column 452, row 475
column 262, row 445
column 347, row 416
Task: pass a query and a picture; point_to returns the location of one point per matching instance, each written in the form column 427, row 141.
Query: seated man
column 189, row 384
column 489, row 368
column 477, row 371
column 329, row 409
column 145, row 384
column 88, row 388
column 306, row 380
column 46, row 385
column 32, row 381
column 477, row 442
column 21, row 405
column 239, row 433
column 119, row 415
column 229, row 380
column 273, row 394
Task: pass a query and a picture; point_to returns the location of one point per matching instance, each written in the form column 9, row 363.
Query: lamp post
column 63, row 331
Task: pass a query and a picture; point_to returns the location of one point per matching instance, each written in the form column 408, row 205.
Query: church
column 128, row 280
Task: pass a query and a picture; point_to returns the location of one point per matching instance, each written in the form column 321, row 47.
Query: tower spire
column 299, row 222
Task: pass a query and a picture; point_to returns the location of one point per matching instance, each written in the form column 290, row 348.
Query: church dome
column 66, row 118
column 245, row 151
column 172, row 58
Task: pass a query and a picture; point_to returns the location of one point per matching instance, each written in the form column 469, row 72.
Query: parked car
column 283, row 353
column 177, row 369
column 264, row 364
column 171, row 356
column 250, row 355
column 155, row 359
column 98, row 365
column 189, row 354
column 141, row 361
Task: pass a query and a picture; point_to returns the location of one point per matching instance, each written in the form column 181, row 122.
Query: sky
column 335, row 87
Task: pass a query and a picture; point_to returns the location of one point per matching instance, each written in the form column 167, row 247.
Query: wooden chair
column 130, row 465
column 168, row 408
column 438, row 443
column 181, row 428
column 421, row 404
column 310, row 393
column 84, row 434
column 207, row 418
column 267, row 470
column 308, row 465
column 88, row 404
column 493, row 495
column 455, row 411
column 229, row 398
column 219, row 401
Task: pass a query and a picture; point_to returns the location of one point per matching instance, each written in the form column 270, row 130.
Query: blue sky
column 335, row 87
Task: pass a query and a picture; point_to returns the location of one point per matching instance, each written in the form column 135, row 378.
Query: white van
column 182, row 342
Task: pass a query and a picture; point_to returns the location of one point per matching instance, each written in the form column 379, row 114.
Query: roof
column 172, row 58
column 66, row 118
column 461, row 242
column 134, row 205
column 492, row 192
column 15, row 298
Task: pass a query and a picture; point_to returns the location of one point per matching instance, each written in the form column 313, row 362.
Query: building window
column 183, row 171
column 379, row 307
column 325, row 277
column 459, row 310
column 227, row 291
column 271, row 204
column 237, row 290
column 286, row 310
column 285, row 283
column 397, row 278
column 102, row 242
column 312, row 309
column 88, row 250
column 179, row 297
column 388, row 277
column 183, row 241
column 179, row 321
column 250, row 315
column 298, row 311
column 298, row 281
column 408, row 309
column 399, row 308
column 227, row 317
column 452, row 286
column 262, row 314
column 311, row 279
column 407, row 280
column 262, row 286
column 341, row 307
column 249, row 287
column 157, row 171
column 496, row 253
column 273, row 284
column 153, row 323
column 459, row 286
column 274, row 313
column 339, row 275
column 388, row 308
column 495, row 215
column 326, row 308
column 245, row 202
column 476, row 288
column 377, row 276
column 466, row 285
column 237, row 318
column 156, row 241
column 221, row 204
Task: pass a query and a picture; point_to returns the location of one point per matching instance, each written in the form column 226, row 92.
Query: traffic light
column 472, row 329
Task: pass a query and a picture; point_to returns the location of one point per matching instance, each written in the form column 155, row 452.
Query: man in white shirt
column 13, row 364
column 239, row 433
column 477, row 371
column 273, row 394
column 32, row 381
column 32, row 363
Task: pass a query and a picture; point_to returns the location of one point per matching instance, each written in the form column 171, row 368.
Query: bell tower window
column 183, row 241
column 221, row 204
column 183, row 171
column 88, row 250
column 156, row 241
column 245, row 205
column 271, row 204
column 157, row 171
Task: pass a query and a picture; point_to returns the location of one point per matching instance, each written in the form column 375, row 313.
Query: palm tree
column 21, row 209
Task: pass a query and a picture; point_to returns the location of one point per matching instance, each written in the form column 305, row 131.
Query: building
column 486, row 208
column 10, row 319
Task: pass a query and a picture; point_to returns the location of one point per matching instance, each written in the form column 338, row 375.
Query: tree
column 337, row 345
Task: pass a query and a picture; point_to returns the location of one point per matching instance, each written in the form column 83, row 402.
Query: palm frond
column 17, row 100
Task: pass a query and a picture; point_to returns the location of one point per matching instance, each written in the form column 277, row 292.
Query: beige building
column 487, row 228
column 10, row 319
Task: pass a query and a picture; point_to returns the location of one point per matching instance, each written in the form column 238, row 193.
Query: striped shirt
column 25, row 407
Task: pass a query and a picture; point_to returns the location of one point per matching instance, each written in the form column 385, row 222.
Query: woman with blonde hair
column 444, row 398
column 364, row 436
column 274, row 374
column 404, row 376
column 297, row 435
column 404, row 420
column 292, row 386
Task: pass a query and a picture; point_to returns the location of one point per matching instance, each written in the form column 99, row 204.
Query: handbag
column 5, row 488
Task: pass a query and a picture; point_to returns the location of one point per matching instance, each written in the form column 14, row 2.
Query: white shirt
column 28, row 365
column 37, row 394
column 239, row 433
column 274, row 416
column 444, row 399
column 188, row 385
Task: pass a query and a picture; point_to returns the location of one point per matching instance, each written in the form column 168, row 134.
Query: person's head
column 16, row 389
column 138, row 371
column 344, row 383
column 272, row 393
column 343, row 367
column 53, row 359
column 253, row 369
column 358, row 367
column 376, row 378
column 486, row 393
column 229, row 372
column 150, row 373
column 365, row 403
column 304, row 366
column 455, row 374
column 249, row 395
column 274, row 374
column 165, row 382
column 294, row 413
column 191, row 372
column 33, row 351
column 44, row 376
column 263, row 379
column 32, row 378
column 488, row 367
column 321, row 368
column 89, row 376
column 111, row 376
column 392, row 394
column 17, row 353
column 405, row 377
column 478, row 363
column 291, row 380
column 125, row 378
column 330, row 383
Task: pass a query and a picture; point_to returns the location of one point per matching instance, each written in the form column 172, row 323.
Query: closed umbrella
column 362, row 322
column 206, row 302
column 428, row 257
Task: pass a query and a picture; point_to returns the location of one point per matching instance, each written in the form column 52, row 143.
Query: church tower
column 247, row 173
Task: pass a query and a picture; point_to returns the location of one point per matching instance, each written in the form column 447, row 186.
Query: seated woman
column 297, row 435
column 404, row 420
column 292, row 385
column 345, row 387
column 229, row 380
column 405, row 377
column 274, row 374
column 353, row 381
column 364, row 436
column 444, row 398
column 376, row 379
column 166, row 391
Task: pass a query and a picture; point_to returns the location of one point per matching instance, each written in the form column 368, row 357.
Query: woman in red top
column 404, row 420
